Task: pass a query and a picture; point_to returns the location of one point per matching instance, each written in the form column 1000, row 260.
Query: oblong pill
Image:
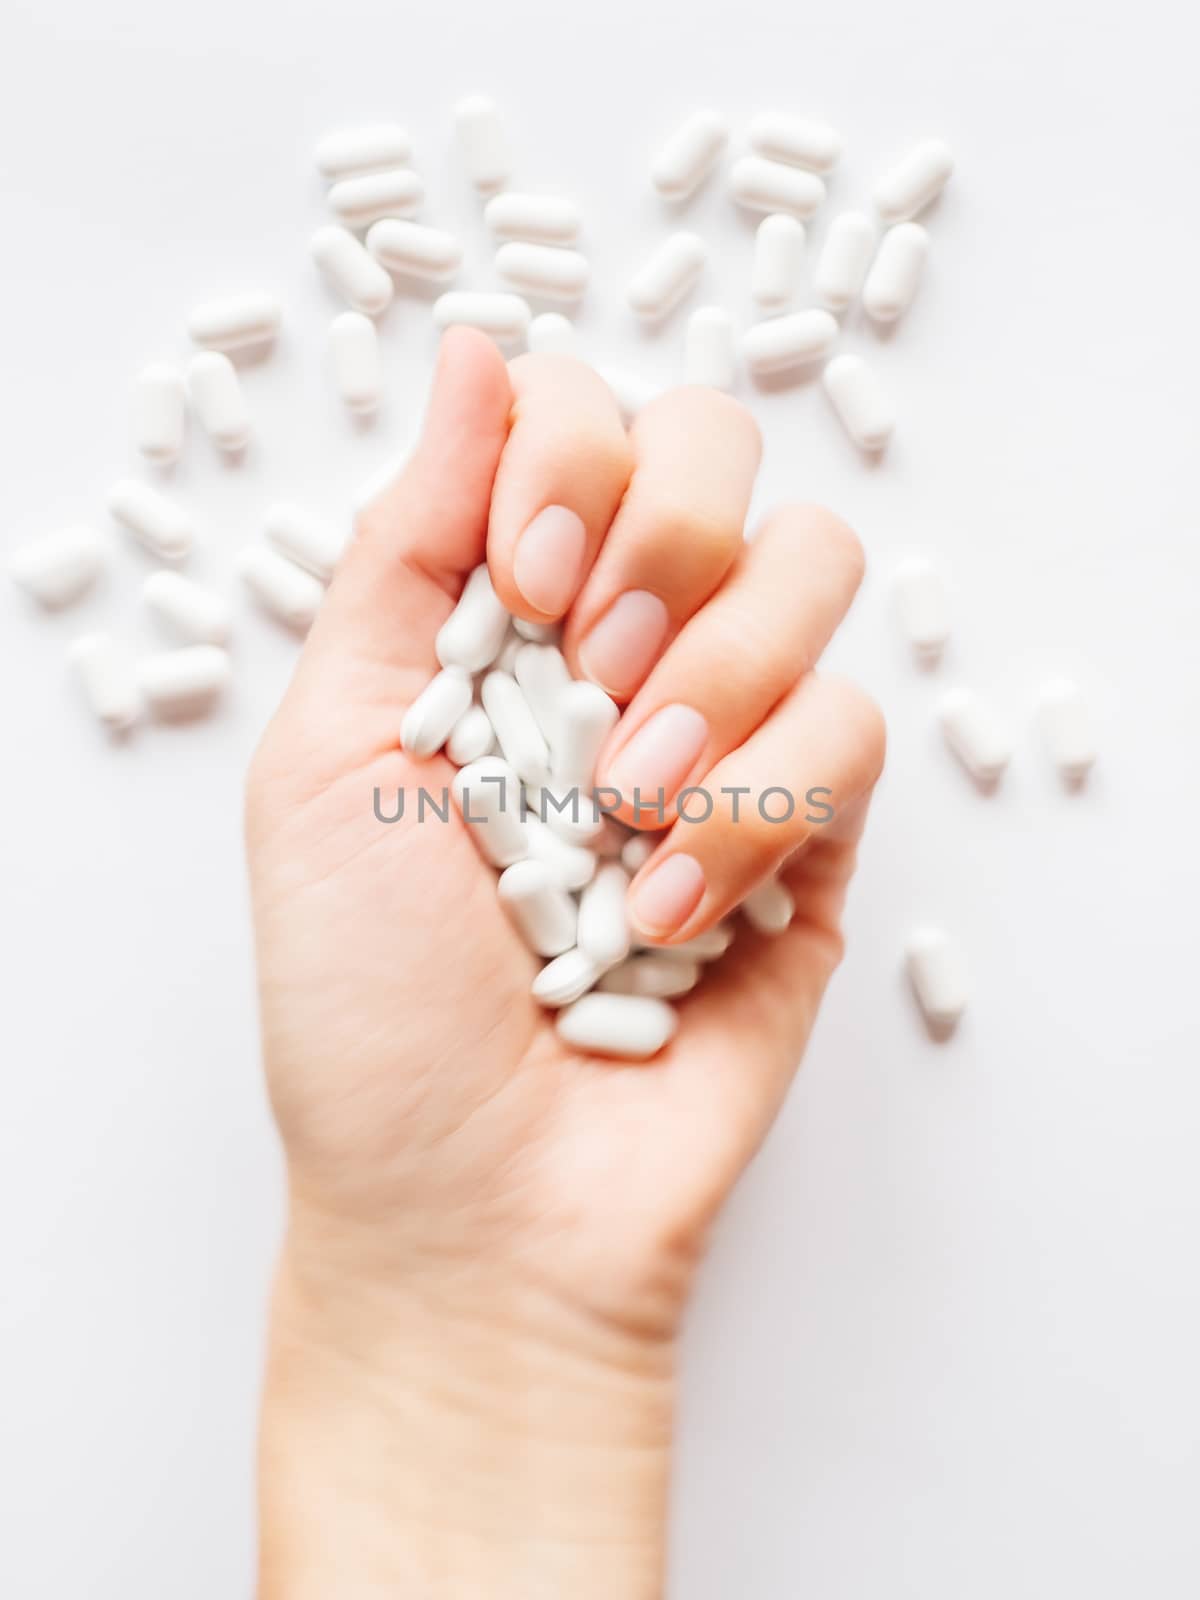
column 58, row 567
column 543, row 270
column 604, row 932
column 358, row 202
column 844, row 259
column 553, row 334
column 923, row 606
column 709, row 356
column 283, row 589
column 108, row 676
column 564, row 979
column 162, row 526
column 585, row 717
column 938, row 973
column 895, row 272
column 504, row 316
column 312, row 543
column 415, row 250
column 788, row 341
column 778, row 257
column 1067, row 728
column 537, row 218
column 179, row 683
column 482, row 143
column 799, row 141
column 192, row 612
column 521, row 741
column 488, row 796
column 356, row 361
column 472, row 635
column 427, row 722
column 770, row 908
column 689, row 155
column 572, row 815
column 238, row 322
column 762, row 185
column 975, row 734
column 373, row 147
column 651, row 975
column 471, row 738
column 541, row 910
column 668, row 275
column 629, row 1027
column 710, row 945
column 862, row 404
column 544, row 677
column 914, row 182
column 351, row 270
column 158, row 413
column 215, row 391
column 573, row 865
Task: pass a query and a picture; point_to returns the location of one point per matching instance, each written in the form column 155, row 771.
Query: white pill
column 799, row 141
column 553, row 334
column 975, row 734
column 604, row 932
column 573, row 815
column 770, row 908
column 108, row 676
column 788, row 341
column 521, row 741
column 195, row 614
column 1067, row 728
column 180, row 683
column 629, row 391
column 537, row 632
column 215, row 391
column 573, row 866
column 539, row 218
column 564, row 979
column 356, row 361
column 710, row 945
column 313, row 544
column 896, row 272
column 915, row 182
column 488, row 795
column 60, row 566
column 762, row 185
column 923, row 607
column 506, row 661
column 543, row 676
column 689, row 155
column 472, row 635
column 471, row 738
column 351, row 270
column 778, row 256
column 239, row 322
column 709, row 350
column 374, row 147
column 358, row 202
column 651, row 975
column 586, row 717
column 285, row 590
column 637, row 851
column 630, row 1027
column 158, row 523
column 844, row 259
column 541, row 909
column 412, row 249
column 543, row 270
column 427, row 722
column 158, row 413
column 938, row 973
column 482, row 143
column 504, row 316
column 668, row 275
column 860, row 400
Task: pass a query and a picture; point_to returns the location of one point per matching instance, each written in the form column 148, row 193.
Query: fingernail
column 623, row 646
column 659, row 756
column 666, row 899
column 548, row 562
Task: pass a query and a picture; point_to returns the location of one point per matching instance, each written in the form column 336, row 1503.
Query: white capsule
column 414, row 250
column 710, row 945
column 58, row 567
column 195, row 614
column 573, row 815
column 709, row 351
column 975, row 735
column 553, row 334
column 290, row 594
column 504, row 316
column 506, row 661
column 896, row 272
column 799, row 141
column 651, row 975
column 488, row 795
column 428, row 721
column 356, row 361
column 629, row 1027
column 520, row 739
column 358, row 202
column 629, row 391
column 313, row 544
column 542, row 911
column 374, row 147
column 545, row 271
column 564, row 979
column 158, row 523
column 668, row 275
column 938, row 973
column 573, row 866
column 762, row 185
column 844, row 259
column 108, row 676
column 862, row 404
column 215, row 391
column 1067, row 729
column 770, row 908
column 538, row 218
column 240, row 322
column 915, row 182
column 923, row 607
column 778, row 256
column 689, row 155
column 543, row 676
column 789, row 341
column 604, row 932
column 473, row 634
column 158, row 413
column 471, row 738
column 482, row 143
column 636, row 851
column 586, row 716
column 351, row 270
column 182, row 683
column 537, row 632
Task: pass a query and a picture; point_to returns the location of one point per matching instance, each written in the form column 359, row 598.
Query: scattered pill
column 862, row 405
column 283, row 589
column 351, row 270
column 573, row 865
column 651, row 975
column 374, row 147
column 788, row 341
column 240, row 322
column 799, row 141
column 564, row 979
column 762, row 185
column 545, row 271
column 710, row 350
column 414, row 250
column 975, row 735
column 108, row 676
column 844, row 259
column 307, row 540
column 896, row 272
column 471, row 738
column 158, row 413
column 193, row 613
column 356, row 361
column 162, row 526
column 521, row 741
column 668, row 275
column 179, row 683
column 541, row 909
column 914, row 182
column 770, row 908
column 428, row 721
column 504, row 316
column 473, row 634
column 483, row 143
column 923, row 606
column 778, row 255
column 1067, row 728
column 543, row 676
column 488, row 795
column 215, row 391
column 629, row 1027
column 553, row 334
column 537, row 218
column 58, row 567
column 938, row 973
column 689, row 155
column 358, row 202
column 586, row 716
column 604, row 932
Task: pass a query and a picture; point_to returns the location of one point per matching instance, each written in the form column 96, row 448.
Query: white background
column 947, row 1343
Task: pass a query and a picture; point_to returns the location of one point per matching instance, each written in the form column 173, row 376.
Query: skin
column 492, row 1237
